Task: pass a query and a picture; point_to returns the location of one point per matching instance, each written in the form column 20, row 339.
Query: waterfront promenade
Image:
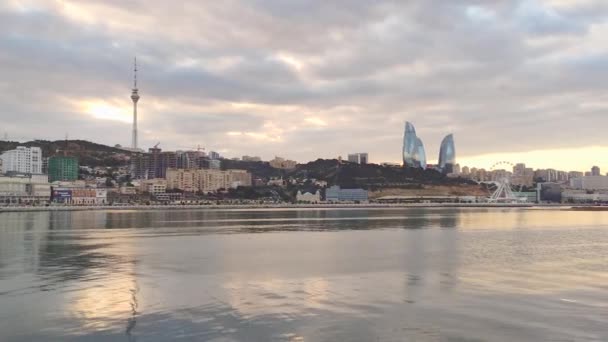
column 292, row 206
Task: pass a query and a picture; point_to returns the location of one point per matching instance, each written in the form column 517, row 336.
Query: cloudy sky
column 513, row 80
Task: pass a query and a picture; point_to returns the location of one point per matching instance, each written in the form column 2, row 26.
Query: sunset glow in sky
column 517, row 80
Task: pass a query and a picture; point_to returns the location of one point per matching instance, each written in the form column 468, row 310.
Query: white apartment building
column 27, row 160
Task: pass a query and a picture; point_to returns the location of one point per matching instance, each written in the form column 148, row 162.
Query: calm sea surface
column 304, row 275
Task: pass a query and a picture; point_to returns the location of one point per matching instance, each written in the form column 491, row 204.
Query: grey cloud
column 390, row 60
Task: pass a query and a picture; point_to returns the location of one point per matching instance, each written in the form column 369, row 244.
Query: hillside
column 258, row 169
column 88, row 153
column 371, row 176
column 433, row 190
column 350, row 175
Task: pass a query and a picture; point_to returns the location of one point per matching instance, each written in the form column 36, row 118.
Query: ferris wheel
column 502, row 165
column 503, row 192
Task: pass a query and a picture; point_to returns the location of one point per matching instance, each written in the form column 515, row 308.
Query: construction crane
column 197, row 148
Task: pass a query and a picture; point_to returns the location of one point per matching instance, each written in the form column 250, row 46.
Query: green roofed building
column 62, row 168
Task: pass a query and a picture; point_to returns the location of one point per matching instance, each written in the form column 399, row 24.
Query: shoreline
column 303, row 206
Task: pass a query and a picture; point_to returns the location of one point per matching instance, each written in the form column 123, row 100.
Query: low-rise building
column 79, row 196
column 583, row 196
column 128, row 190
column 276, row 182
column 308, row 197
column 24, row 189
column 153, row 186
column 170, row 197
column 548, row 192
column 336, row 194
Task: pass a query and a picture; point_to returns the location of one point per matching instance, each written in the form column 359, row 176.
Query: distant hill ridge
column 88, row 153
column 345, row 174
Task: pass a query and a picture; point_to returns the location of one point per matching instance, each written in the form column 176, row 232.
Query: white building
column 308, row 197
column 22, row 160
column 590, row 183
column 581, row 196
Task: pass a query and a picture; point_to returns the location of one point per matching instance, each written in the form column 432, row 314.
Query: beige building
column 153, row 186
column 183, row 179
column 24, row 189
column 522, row 175
column 206, row 180
column 282, row 163
column 211, row 180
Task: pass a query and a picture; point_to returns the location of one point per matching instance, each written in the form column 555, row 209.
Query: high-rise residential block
column 27, row 160
column 214, row 155
column 522, row 175
column 63, row 168
column 359, row 158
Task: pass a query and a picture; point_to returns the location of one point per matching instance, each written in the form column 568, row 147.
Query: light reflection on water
column 309, row 275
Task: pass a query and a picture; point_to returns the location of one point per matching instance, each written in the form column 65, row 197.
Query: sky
column 514, row 80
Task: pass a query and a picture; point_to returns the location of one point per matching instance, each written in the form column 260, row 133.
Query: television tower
column 135, row 98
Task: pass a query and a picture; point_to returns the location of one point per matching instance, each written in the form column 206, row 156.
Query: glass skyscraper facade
column 447, row 154
column 413, row 149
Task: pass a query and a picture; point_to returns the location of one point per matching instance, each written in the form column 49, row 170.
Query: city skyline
column 256, row 92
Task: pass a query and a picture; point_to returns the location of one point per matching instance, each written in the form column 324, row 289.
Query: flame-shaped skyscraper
column 413, row 149
column 447, row 154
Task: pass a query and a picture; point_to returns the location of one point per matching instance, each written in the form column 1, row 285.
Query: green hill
column 88, row 153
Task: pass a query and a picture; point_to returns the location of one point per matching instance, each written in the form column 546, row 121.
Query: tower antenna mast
column 134, row 98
